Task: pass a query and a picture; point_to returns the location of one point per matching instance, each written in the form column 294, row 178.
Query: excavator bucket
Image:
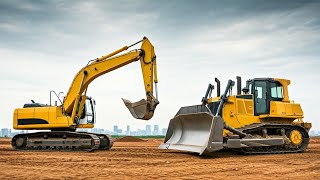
column 194, row 129
column 140, row 109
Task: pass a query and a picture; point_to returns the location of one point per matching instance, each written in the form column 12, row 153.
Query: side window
column 276, row 90
column 83, row 114
column 250, row 88
column 259, row 91
column 89, row 107
column 90, row 111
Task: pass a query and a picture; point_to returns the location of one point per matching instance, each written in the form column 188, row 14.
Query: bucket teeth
column 126, row 101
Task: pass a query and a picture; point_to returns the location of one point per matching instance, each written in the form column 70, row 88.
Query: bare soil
column 129, row 139
column 143, row 160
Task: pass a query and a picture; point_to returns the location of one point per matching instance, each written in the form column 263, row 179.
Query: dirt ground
column 143, row 160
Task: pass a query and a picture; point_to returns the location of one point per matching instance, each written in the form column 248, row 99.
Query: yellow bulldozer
column 77, row 109
column 260, row 118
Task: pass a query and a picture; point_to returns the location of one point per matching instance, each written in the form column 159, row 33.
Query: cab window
column 259, row 92
column 250, row 88
column 89, row 107
column 90, row 111
column 276, row 90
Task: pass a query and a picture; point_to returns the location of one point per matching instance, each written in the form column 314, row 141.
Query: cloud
column 44, row 44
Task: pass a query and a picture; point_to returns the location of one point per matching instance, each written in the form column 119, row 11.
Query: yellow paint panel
column 247, row 120
column 64, row 120
column 41, row 126
column 25, row 113
column 249, row 106
column 296, row 109
column 56, row 117
column 86, row 126
column 244, row 106
column 241, row 107
column 229, row 113
column 52, row 114
column 278, row 108
column 15, row 119
column 289, row 109
column 41, row 113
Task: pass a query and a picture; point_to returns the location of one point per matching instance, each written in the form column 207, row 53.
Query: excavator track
column 281, row 130
column 62, row 141
column 106, row 141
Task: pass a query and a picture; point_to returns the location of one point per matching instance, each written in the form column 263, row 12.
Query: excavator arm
column 74, row 100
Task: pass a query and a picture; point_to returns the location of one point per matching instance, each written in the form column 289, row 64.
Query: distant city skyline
column 117, row 130
column 8, row 132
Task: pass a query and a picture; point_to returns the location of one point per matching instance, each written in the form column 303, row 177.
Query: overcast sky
column 45, row 43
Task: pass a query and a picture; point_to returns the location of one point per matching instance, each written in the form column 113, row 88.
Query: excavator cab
column 88, row 115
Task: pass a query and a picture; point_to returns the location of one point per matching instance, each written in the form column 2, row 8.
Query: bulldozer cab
column 264, row 90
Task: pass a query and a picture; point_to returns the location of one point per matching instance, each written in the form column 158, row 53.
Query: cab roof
column 284, row 82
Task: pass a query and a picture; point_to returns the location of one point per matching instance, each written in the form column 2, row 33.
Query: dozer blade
column 140, row 109
column 194, row 129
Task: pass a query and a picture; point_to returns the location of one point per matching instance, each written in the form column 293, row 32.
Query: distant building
column 5, row 132
column 155, row 130
column 115, row 129
column 97, row 130
column 164, row 131
column 128, row 130
column 314, row 133
column 142, row 132
column 148, row 130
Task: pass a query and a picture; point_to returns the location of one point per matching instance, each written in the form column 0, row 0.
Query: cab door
column 90, row 111
column 261, row 103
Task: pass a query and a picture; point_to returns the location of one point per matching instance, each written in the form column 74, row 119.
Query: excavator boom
column 142, row 109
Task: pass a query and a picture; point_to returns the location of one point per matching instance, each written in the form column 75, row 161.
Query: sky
column 45, row 43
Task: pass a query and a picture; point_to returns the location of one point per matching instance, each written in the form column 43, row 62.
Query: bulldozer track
column 61, row 141
column 275, row 129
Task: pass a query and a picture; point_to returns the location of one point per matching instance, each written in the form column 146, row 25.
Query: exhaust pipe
column 238, row 85
column 218, row 86
column 207, row 95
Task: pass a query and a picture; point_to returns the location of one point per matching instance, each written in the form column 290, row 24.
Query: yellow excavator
column 77, row 110
column 260, row 118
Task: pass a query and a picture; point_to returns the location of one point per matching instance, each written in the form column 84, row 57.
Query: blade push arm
column 77, row 91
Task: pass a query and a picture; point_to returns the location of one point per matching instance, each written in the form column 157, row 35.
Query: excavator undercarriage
column 62, row 141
